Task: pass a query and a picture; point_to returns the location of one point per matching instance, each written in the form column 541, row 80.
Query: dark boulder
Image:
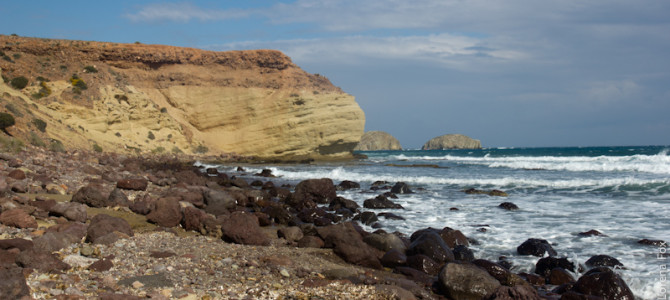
column 348, row 185
column 340, row 202
column 16, row 243
column 40, row 260
column 518, row 292
column 536, row 247
column 603, row 282
column 545, row 265
column 393, row 258
column 118, row 198
column 277, row 213
column 499, row 272
column 17, row 218
column 308, row 215
column 558, row 276
column 166, row 212
column 432, row 245
column 265, row 173
column 316, row 190
column 591, row 232
column 92, row 195
column 102, row 225
column 290, row 234
column 424, row 264
column 243, row 228
column 135, row 184
column 366, row 218
column 453, row 237
column 385, row 242
column 508, row 206
column 310, row 241
column 218, row 202
column 390, row 216
column 463, row 253
column 349, row 245
column 603, row 261
column 143, row 205
column 13, row 284
column 72, row 211
column 380, row 202
column 401, row 188
column 658, row 243
column 467, row 281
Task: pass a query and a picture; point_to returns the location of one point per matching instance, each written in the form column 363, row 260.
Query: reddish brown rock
column 17, row 218
column 17, row 174
column 13, row 284
column 195, row 219
column 559, row 276
column 20, row 244
column 467, row 281
column 72, row 211
column 243, row 228
column 519, row 292
column 603, row 282
column 310, row 241
column 135, row 184
column 101, row 265
column 92, row 195
column 166, row 213
column 102, row 225
column 349, row 245
column 316, row 190
column 40, row 260
column 424, row 264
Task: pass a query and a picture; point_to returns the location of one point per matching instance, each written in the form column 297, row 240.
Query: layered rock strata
column 378, row 140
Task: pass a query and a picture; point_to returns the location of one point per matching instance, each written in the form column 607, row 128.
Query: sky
column 517, row 73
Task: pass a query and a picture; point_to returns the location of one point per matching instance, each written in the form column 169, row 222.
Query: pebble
column 284, row 273
column 86, row 250
column 137, row 285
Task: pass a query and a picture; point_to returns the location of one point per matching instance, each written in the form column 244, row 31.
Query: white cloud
column 183, row 12
column 607, row 92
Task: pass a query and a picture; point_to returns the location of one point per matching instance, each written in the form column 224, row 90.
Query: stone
column 101, row 265
column 17, row 218
column 290, row 234
column 467, row 281
column 423, row 263
column 558, row 276
column 451, row 141
column 393, row 292
column 54, row 241
column 218, row 202
column 603, row 261
column 16, row 243
column 243, row 228
column 463, row 253
column 346, row 185
column 278, row 214
column 76, row 260
column 544, row 266
column 40, row 260
column 17, row 174
column 102, row 225
column 316, row 190
column 385, row 242
column 366, row 218
column 117, row 198
column 340, row 202
column 393, row 258
column 401, row 188
column 658, row 243
column 380, row 202
column 432, row 245
column 194, row 219
column 265, row 173
column 508, row 206
column 72, row 211
column 499, row 272
column 518, row 292
column 310, row 241
column 453, row 237
column 134, row 184
column 591, row 232
column 603, row 282
column 536, row 247
column 166, row 213
column 13, row 284
column 92, row 195
column 377, row 140
column 348, row 244
column 55, row 189
column 390, row 216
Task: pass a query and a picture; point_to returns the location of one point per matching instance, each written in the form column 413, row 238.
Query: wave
column 654, row 164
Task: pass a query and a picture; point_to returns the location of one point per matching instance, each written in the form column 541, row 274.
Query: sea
column 622, row 192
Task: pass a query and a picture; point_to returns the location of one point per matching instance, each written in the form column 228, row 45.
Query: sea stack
column 378, row 140
column 452, row 141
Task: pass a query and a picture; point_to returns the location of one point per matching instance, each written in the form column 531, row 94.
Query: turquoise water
column 623, row 192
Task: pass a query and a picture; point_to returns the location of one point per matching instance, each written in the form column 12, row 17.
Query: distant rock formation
column 452, row 141
column 377, row 140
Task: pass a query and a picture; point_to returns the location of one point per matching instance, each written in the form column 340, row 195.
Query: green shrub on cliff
column 151, row 136
column 35, row 140
column 201, row 149
column 56, row 146
column 78, row 84
column 97, row 148
column 6, row 120
column 10, row 144
column 40, row 124
column 19, row 82
column 91, row 69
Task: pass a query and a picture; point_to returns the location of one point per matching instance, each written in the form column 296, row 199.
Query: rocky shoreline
column 86, row 225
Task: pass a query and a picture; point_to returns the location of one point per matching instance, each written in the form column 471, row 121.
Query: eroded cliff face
column 162, row 98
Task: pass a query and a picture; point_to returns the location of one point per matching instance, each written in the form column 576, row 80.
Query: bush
column 44, row 91
column 151, row 136
column 35, row 140
column 41, row 125
column 78, row 84
column 97, row 148
column 176, row 150
column 201, row 149
column 10, row 144
column 6, row 120
column 91, row 69
column 158, row 149
column 56, row 146
column 19, row 82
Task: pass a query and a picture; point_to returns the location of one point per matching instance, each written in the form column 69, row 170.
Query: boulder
column 311, row 241
column 508, row 206
column 243, row 228
column 17, row 218
column 92, row 195
column 194, row 219
column 519, row 292
column 401, row 188
column 603, row 282
column 347, row 185
column 40, row 260
column 377, row 140
column 17, row 174
column 466, row 281
column 432, row 245
column 591, row 232
column 16, row 243
column 13, row 284
column 385, row 242
column 290, row 234
column 544, row 266
column 558, row 276
column 278, row 214
column 218, row 202
column 135, row 184
column 348, row 244
column 117, row 198
column 366, row 218
column 316, row 190
column 166, row 212
column 536, row 247
column 500, row 273
column 340, row 202
column 102, row 225
column 452, row 141
column 72, row 211
column 424, row 264
column 603, row 261
column 380, row 202
column 393, row 258
column 390, row 216
column 463, row 253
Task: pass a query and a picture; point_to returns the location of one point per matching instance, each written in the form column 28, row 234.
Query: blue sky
column 510, row 73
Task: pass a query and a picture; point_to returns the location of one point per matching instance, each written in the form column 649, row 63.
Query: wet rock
column 367, row 218
column 393, row 258
column 218, row 202
column 385, row 242
column 393, row 292
column 40, row 260
column 390, row 216
column 340, row 202
column 72, row 211
column 603, row 282
column 349, row 245
column 508, row 206
column 311, row 241
column 466, row 281
column 92, row 195
column 558, row 276
column 591, row 232
column 533, row 279
column 265, row 173
column 519, row 292
column 143, row 205
column 380, row 202
column 603, row 261
column 401, row 188
column 166, row 212
column 658, row 243
column 17, row 218
column 432, row 245
column 211, row 171
column 102, row 225
column 290, row 234
column 13, row 284
column 472, row 191
column 277, row 213
column 135, row 184
column 316, row 190
column 463, row 253
column 424, row 264
column 348, row 185
column 499, row 272
column 417, row 276
column 545, row 265
column 239, row 182
column 453, row 237
column 243, row 228
column 536, row 247
column 308, row 215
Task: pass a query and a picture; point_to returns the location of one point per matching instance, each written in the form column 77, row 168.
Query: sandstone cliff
column 138, row 97
column 452, row 141
column 378, row 140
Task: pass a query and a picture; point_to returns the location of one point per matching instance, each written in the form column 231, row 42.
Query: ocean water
column 623, row 192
